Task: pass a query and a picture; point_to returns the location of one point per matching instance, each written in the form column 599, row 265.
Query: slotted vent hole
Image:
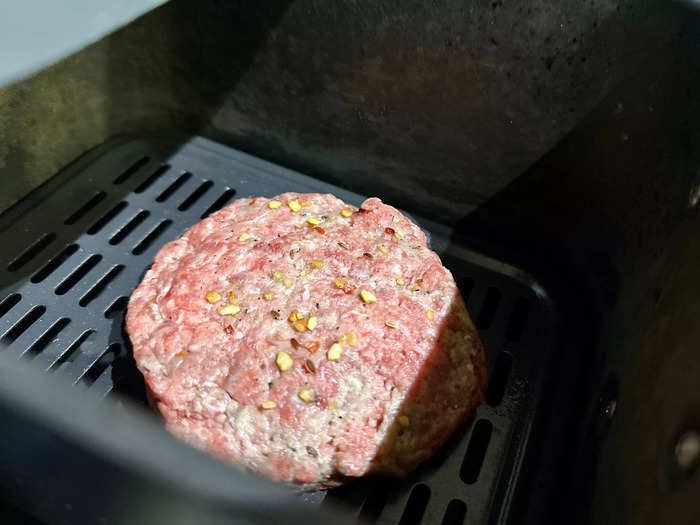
column 219, row 203
column 374, row 504
column 9, row 302
column 100, row 285
column 147, row 241
column 455, row 513
column 85, row 208
column 476, row 451
column 150, row 180
column 499, row 378
column 516, row 323
column 31, row 252
column 102, row 363
column 72, row 351
column 129, row 227
column 195, row 195
column 46, row 338
column 466, row 286
column 131, row 170
column 176, row 185
column 77, row 274
column 106, row 218
column 415, row 506
column 54, row 263
column 119, row 305
column 489, row 308
column 31, row 317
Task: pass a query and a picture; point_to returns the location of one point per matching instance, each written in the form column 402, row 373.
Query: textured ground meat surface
column 375, row 371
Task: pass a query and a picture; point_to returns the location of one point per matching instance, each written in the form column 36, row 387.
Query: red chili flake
column 320, row 230
column 309, row 366
column 228, row 329
column 312, row 346
column 349, row 288
column 295, row 343
column 390, row 231
column 252, row 201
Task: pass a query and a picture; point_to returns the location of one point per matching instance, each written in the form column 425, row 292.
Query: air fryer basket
column 77, row 247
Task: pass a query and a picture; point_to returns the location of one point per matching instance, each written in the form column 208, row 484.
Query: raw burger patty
column 380, row 365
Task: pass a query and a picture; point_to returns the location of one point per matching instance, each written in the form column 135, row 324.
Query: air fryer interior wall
column 559, row 137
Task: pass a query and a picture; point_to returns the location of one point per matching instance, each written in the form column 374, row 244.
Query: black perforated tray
column 74, row 249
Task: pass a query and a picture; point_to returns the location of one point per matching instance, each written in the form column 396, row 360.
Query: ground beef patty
column 307, row 340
